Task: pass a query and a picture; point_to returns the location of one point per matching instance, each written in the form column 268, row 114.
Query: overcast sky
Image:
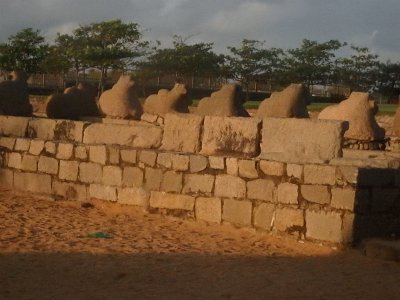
column 281, row 23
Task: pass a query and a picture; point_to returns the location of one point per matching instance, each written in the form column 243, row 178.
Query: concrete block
column 230, row 186
column 7, row 143
column 272, row 168
column 48, row 165
column 289, row 220
column 318, row 174
column 103, row 192
column 14, row 160
column 261, row 189
column 113, row 155
column 288, row 193
column 209, row 209
column 6, row 178
column 316, row 193
column 13, row 126
column 98, row 154
column 197, row 163
column 324, row 226
column 228, row 135
column 68, row 170
column 42, row 129
column 172, row 182
column 171, row 201
column 264, row 215
column 149, row 158
column 302, row 139
column 196, row 183
column 237, row 212
column 129, row 156
column 133, row 196
column 32, row 182
column 165, row 160
column 90, row 172
column 36, row 147
column 232, row 166
column 153, row 178
column 217, row 162
column 112, row 176
column 50, row 148
column 65, row 151
column 29, row 163
column 343, row 198
column 132, row 177
column 295, row 171
column 180, row 162
column 81, row 152
column 69, row 190
column 182, row 133
column 247, row 169
column 22, row 144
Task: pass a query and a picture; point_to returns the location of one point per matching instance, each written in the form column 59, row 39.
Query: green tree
column 389, row 79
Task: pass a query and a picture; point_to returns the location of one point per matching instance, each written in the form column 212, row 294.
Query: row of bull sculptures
column 121, row 101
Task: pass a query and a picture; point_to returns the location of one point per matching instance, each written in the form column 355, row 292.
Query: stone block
column 133, row 196
column 6, row 178
column 348, row 173
column 272, row 168
column 7, row 143
column 172, row 182
column 67, row 130
column 14, row 160
column 68, row 170
column 153, row 178
column 81, row 152
column 289, row 220
column 32, row 182
column 128, row 156
column 196, row 183
column 48, row 165
column 324, row 226
column 182, row 133
column 149, row 158
column 29, row 163
column 295, row 171
column 317, row 174
column 22, row 144
column 197, row 163
column 261, row 189
column 103, row 192
column 69, row 190
column 264, row 215
column 230, row 186
column 288, row 193
column 248, row 169
column 302, row 139
column 13, row 126
column 232, row 166
column 180, row 162
column 171, row 201
column 113, row 155
column 316, row 193
column 112, row 176
column 228, row 135
column 98, row 154
column 348, row 228
column 42, row 129
column 237, row 212
column 164, row 160
column 137, row 135
column 90, row 172
column 65, row 151
column 132, row 177
column 343, row 198
column 50, row 147
column 209, row 209
column 36, row 147
column 217, row 162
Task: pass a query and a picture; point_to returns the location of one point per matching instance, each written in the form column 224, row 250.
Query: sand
column 45, row 254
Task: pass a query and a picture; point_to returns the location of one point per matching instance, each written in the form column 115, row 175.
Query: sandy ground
column 45, row 254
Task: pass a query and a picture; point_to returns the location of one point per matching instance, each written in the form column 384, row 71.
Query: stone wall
column 210, row 169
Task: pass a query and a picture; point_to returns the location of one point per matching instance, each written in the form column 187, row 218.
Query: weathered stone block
column 36, row 147
column 129, row 156
column 67, row 130
column 294, row 170
column 302, row 139
column 182, row 133
column 180, row 162
column 324, row 226
column 48, row 165
column 264, row 215
column 81, row 152
column 22, row 144
column 289, row 220
column 343, row 198
column 98, row 154
column 288, row 193
column 6, row 178
column 42, row 129
column 248, row 169
column 348, row 173
column 316, row 174
column 14, row 160
column 133, row 196
column 29, row 163
column 132, row 176
column 50, row 147
column 316, row 193
column 171, row 201
column 230, row 186
column 113, row 155
column 237, row 212
column 153, row 178
column 68, row 170
column 65, row 151
column 32, row 182
column 13, row 126
column 217, row 162
column 7, row 143
column 112, row 175
column 165, row 160
column 90, row 172
column 148, row 157
column 224, row 135
column 272, row 168
column 197, row 163
column 69, row 191
column 103, row 192
column 261, row 189
column 172, row 182
column 209, row 209
column 196, row 183
column 232, row 166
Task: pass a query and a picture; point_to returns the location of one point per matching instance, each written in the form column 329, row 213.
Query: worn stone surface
column 171, row 201
column 324, row 226
column 133, row 196
column 128, row 156
column 294, row 170
column 289, row 220
column 196, row 183
column 90, row 172
column 197, row 163
column 264, row 215
column 229, row 186
column 13, row 126
column 348, row 173
column 81, row 152
column 29, row 163
column 32, row 182
column 261, row 189
column 237, row 212
column 102, row 192
column 343, row 198
column 132, row 176
column 289, row 103
column 272, row 168
column 69, row 191
column 98, row 154
column 153, row 178
column 22, row 144
column 172, row 182
column 348, row 228
column 316, row 193
column 71, row 131
column 6, row 178
column 165, row 160
column 248, row 169
column 113, row 155
column 42, row 129
column 209, row 209
column 318, row 174
column 148, row 158
column 50, row 147
column 7, row 143
column 149, row 118
column 301, row 139
column 65, row 151
column 288, row 193
column 180, row 162
column 48, row 165
column 14, row 160
column 235, row 136
column 182, row 133
column 360, row 112
column 36, row 147
column 217, row 162
column 68, row 170
column 112, row 175
column 232, row 166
